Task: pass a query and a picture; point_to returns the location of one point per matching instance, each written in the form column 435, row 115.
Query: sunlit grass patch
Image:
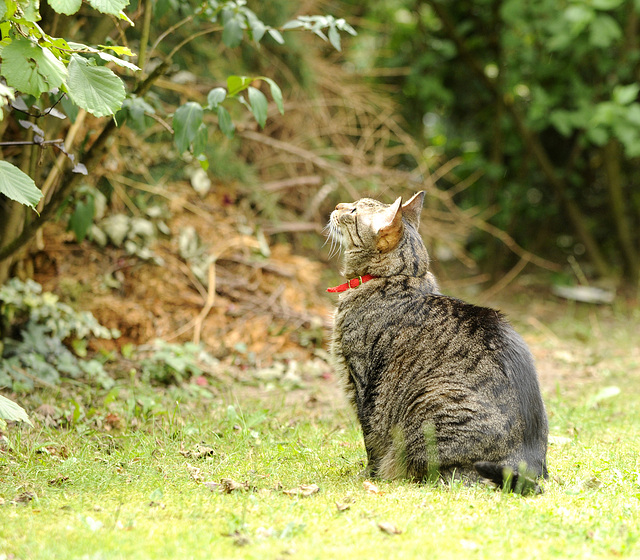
column 156, row 489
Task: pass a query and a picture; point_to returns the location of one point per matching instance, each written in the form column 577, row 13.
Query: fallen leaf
column 198, row 452
column 346, row 503
column 213, row 486
column 229, row 485
column 59, row 480
column 113, row 421
column 371, row 487
column 24, row 498
column 388, row 528
column 195, row 473
column 303, row 490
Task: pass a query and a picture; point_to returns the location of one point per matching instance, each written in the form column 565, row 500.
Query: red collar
column 353, row 283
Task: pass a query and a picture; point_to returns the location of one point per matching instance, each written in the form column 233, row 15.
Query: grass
column 143, row 490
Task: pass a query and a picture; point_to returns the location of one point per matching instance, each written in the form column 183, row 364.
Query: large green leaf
column 232, row 32
column 30, row 10
column 13, row 412
column 276, row 93
column 94, row 88
column 66, row 7
column 186, row 121
column 225, row 123
column 215, row 97
column 259, row 105
column 17, row 185
column 113, row 7
column 31, row 69
column 236, row 84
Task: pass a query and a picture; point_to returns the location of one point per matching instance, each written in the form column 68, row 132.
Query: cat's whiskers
column 334, row 235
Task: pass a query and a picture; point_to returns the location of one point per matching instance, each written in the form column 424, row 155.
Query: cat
column 441, row 388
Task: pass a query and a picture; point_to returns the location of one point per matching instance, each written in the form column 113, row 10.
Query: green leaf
column 186, row 121
column 232, row 32
column 604, row 30
column 30, row 10
column 293, row 24
column 31, row 69
column 17, row 185
column 82, row 218
column 342, row 25
column 562, row 121
column 113, row 7
column 66, row 7
column 599, row 136
column 94, row 88
column 7, row 95
column 236, row 84
column 624, row 95
column 216, row 96
column 259, row 105
column 334, row 38
column 276, row 93
column 200, row 140
column 107, row 57
column 12, row 411
column 606, row 4
column 119, row 50
column 257, row 27
column 579, row 16
column 224, row 122
column 276, row 36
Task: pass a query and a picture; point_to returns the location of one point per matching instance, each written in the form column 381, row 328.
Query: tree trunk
column 612, row 158
column 13, row 216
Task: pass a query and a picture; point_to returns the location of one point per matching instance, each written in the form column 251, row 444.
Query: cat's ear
column 388, row 226
column 412, row 208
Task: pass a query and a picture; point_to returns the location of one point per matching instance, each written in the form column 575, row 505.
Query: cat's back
column 408, row 308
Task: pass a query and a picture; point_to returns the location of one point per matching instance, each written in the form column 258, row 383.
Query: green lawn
column 150, row 486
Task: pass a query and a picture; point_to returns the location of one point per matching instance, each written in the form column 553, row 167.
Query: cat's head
column 380, row 239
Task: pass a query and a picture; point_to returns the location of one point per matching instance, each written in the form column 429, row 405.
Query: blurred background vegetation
column 520, row 120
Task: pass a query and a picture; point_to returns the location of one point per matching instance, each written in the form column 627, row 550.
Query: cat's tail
column 521, row 481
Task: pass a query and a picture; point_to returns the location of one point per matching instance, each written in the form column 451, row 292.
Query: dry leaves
column 303, row 490
column 195, row 473
column 59, row 480
column 229, row 485
column 371, row 487
column 199, row 451
column 345, row 504
column 24, row 498
column 389, row 528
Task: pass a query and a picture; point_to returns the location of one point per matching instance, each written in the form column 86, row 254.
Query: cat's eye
column 353, row 211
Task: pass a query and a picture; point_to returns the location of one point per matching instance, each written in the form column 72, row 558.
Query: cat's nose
column 341, row 206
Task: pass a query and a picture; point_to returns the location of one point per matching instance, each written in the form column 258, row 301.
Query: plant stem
column 144, row 38
column 612, row 156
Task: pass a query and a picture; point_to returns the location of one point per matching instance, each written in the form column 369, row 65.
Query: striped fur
column 440, row 387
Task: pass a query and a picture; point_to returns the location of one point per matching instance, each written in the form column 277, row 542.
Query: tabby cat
column 440, row 386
